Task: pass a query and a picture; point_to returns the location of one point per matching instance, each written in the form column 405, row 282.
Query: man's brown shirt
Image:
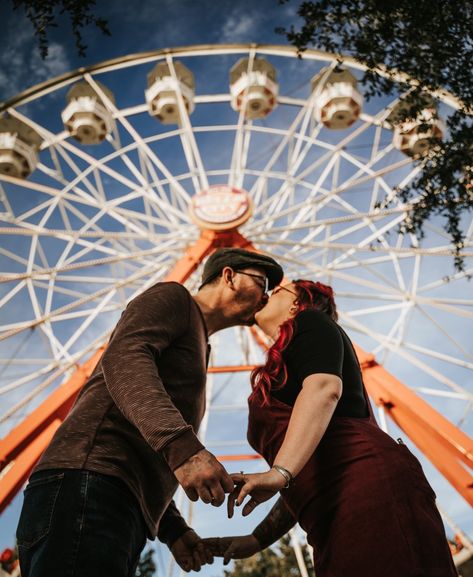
column 136, row 418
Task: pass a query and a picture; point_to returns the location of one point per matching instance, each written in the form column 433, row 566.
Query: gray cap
column 238, row 259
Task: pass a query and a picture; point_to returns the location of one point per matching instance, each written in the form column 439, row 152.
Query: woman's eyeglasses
column 283, row 288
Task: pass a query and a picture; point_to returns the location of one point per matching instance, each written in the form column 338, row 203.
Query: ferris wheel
column 132, row 171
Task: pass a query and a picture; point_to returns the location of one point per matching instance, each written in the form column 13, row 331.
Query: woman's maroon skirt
column 362, row 498
column 372, row 512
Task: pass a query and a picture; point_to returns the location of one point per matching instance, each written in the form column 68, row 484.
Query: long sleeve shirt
column 137, row 416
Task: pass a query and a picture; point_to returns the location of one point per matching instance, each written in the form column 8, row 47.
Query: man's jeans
column 79, row 523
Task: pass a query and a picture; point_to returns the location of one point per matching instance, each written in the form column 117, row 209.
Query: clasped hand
column 237, row 547
column 190, row 551
column 258, row 486
column 202, row 476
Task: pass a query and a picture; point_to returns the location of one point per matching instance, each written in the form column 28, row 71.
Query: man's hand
column 203, row 476
column 190, row 552
column 233, row 547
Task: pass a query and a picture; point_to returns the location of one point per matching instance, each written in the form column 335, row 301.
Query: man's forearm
column 275, row 525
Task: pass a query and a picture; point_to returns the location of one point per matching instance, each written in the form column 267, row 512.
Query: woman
column 362, row 497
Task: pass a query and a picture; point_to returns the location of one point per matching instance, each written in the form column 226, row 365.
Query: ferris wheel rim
column 38, row 90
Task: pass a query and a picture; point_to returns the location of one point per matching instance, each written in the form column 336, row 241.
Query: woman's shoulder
column 314, row 330
column 313, row 319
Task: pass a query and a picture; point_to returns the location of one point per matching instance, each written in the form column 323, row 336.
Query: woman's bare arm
column 313, row 409
column 312, row 412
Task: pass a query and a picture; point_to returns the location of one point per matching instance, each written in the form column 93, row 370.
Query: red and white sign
column 221, row 207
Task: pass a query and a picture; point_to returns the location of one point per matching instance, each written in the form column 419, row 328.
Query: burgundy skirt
column 362, row 498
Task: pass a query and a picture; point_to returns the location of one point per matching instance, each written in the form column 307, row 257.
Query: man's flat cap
column 238, row 259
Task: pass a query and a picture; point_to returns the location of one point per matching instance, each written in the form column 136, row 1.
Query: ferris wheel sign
column 221, row 207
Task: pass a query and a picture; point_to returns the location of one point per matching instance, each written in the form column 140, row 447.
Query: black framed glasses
column 283, row 288
column 264, row 284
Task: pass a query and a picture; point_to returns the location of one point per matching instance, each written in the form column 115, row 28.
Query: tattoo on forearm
column 276, row 524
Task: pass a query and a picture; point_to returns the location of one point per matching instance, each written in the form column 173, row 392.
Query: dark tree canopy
column 432, row 42
column 43, row 15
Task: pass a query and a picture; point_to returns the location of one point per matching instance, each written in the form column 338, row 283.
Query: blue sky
column 147, row 26
column 143, row 26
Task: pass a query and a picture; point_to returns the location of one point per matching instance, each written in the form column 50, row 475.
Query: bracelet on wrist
column 285, row 473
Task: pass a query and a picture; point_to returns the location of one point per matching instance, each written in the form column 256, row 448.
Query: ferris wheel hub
column 221, row 207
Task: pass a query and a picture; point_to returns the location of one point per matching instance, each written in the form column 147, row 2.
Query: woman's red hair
column 273, row 374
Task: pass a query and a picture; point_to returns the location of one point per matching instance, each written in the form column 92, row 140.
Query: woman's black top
column 320, row 345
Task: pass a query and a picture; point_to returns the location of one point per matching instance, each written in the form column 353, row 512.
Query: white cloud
column 55, row 64
column 21, row 65
column 240, row 26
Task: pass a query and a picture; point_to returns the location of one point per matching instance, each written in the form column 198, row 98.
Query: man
column 107, row 479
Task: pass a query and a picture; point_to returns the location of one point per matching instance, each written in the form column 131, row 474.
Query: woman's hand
column 232, row 547
column 259, row 486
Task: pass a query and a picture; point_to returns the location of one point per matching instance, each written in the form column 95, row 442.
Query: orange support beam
column 56, row 406
column 207, row 242
column 232, row 369
column 252, row 457
column 23, row 446
column 193, row 256
column 13, row 477
column 259, row 338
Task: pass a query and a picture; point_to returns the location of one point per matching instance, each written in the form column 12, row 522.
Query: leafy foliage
column 271, row 562
column 431, row 41
column 43, row 13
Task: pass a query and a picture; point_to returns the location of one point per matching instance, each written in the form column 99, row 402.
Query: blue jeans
column 78, row 523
